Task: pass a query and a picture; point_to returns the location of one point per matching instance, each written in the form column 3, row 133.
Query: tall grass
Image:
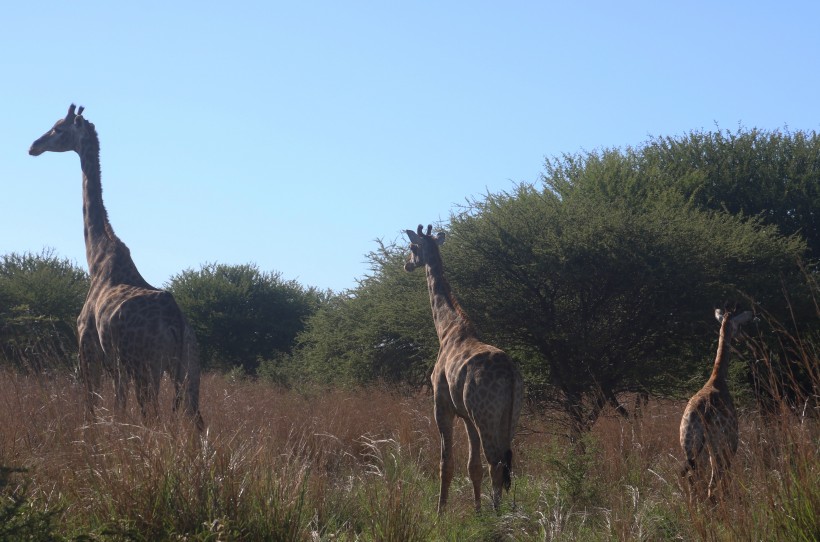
column 331, row 464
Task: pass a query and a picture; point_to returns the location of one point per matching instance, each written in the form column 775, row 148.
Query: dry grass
column 363, row 465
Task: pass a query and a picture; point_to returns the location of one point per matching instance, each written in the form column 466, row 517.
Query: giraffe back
column 484, row 385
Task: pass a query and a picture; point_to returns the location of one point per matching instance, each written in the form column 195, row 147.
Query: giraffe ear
column 414, row 238
column 440, row 238
column 742, row 318
column 739, row 320
column 719, row 315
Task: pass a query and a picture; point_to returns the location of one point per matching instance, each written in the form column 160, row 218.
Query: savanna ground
column 325, row 464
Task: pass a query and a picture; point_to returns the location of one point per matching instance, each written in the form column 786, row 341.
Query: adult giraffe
column 135, row 330
column 472, row 380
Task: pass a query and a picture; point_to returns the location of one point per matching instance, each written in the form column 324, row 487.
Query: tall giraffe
column 126, row 325
column 708, row 429
column 475, row 381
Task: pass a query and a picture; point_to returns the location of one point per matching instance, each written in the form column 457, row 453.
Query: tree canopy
column 599, row 298
column 771, row 175
column 242, row 315
column 379, row 331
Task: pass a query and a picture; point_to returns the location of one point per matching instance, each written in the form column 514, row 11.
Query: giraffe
column 126, row 325
column 708, row 429
column 472, row 380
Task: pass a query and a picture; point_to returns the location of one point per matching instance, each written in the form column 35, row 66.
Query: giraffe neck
column 448, row 316
column 108, row 257
column 720, row 372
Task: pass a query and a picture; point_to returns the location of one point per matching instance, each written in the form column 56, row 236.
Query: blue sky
column 294, row 134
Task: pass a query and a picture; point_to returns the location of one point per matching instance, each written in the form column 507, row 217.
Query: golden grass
column 363, row 465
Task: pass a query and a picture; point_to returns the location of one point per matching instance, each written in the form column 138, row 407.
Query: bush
column 40, row 298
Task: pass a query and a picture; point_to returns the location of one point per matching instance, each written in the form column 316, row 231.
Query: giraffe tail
column 506, row 464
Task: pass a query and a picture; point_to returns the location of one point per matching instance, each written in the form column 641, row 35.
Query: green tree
column 602, row 279
column 242, row 315
column 381, row 330
column 772, row 175
column 598, row 297
column 41, row 296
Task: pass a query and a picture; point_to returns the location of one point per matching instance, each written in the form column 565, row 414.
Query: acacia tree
column 242, row 315
column 600, row 298
column 600, row 281
column 771, row 175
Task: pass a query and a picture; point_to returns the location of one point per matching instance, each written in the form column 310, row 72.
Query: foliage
column 40, row 298
column 242, row 315
column 379, row 331
column 784, row 372
column 601, row 297
column 772, row 175
column 20, row 519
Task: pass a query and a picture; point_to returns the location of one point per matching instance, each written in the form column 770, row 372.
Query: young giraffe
column 472, row 380
column 126, row 325
column 708, row 429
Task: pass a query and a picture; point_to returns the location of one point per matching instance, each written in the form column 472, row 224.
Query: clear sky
column 294, row 134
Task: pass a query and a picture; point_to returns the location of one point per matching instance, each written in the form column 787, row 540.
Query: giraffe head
column 421, row 246
column 65, row 135
column 733, row 321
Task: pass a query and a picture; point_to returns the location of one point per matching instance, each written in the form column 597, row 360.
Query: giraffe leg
column 147, row 386
column 693, row 442
column 713, row 479
column 142, row 395
column 694, row 482
column 179, row 392
column 90, row 358
column 444, row 421
column 692, row 470
column 186, row 375
column 497, row 469
column 121, row 385
column 186, row 395
column 474, row 465
column 717, row 483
